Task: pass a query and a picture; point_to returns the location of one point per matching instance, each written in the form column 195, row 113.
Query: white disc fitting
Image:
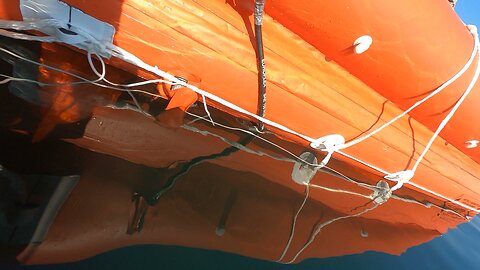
column 362, row 44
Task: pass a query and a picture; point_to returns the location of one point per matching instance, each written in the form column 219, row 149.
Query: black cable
column 262, row 85
column 262, row 77
column 152, row 200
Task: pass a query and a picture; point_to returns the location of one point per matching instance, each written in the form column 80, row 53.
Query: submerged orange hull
column 96, row 215
column 316, row 86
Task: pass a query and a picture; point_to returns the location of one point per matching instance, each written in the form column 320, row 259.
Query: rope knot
column 329, row 144
column 400, row 177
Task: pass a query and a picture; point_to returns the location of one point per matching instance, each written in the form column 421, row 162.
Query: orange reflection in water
column 69, row 103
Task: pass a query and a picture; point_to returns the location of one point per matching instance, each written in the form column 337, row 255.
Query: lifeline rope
column 323, row 225
column 294, row 223
column 239, row 146
column 134, row 60
column 418, row 103
column 329, row 150
column 324, row 169
column 96, row 46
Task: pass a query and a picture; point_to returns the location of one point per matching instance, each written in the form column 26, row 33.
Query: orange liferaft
column 317, row 86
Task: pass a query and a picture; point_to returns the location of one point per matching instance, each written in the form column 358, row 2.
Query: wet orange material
column 180, row 101
column 417, row 46
column 258, row 223
column 212, row 40
column 68, row 103
column 308, row 90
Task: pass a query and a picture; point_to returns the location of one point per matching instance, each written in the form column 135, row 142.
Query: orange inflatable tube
column 317, row 86
column 417, row 46
column 213, row 44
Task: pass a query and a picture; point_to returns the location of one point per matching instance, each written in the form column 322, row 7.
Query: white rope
column 83, row 80
column 256, row 136
column 297, row 213
column 294, row 224
column 420, row 102
column 323, row 225
column 427, row 205
column 403, row 177
column 197, row 118
column 130, row 58
column 205, row 107
column 444, row 197
column 15, row 79
column 329, row 170
column 234, row 143
column 450, row 114
column 101, row 77
column 341, row 191
column 371, row 166
column 346, row 177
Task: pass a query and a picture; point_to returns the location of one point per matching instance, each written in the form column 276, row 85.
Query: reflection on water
column 141, row 181
column 455, row 250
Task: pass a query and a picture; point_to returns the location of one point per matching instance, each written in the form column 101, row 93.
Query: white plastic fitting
column 362, row 44
column 382, row 193
column 472, row 144
column 302, row 173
